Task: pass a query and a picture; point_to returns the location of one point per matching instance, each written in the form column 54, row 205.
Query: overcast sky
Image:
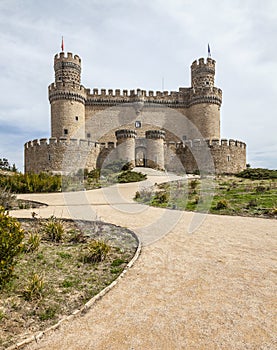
column 129, row 44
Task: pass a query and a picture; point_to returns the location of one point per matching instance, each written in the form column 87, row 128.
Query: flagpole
column 62, row 46
column 209, row 51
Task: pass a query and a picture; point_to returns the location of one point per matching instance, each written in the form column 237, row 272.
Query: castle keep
column 175, row 131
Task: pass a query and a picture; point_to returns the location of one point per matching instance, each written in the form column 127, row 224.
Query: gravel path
column 212, row 289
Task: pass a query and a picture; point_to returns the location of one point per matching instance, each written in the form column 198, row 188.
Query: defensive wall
column 69, row 155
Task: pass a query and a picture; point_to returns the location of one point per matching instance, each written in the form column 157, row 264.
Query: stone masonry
column 176, row 130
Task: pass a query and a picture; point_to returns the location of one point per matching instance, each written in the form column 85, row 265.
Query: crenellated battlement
column 155, row 134
column 185, row 97
column 211, row 143
column 77, row 113
column 53, row 141
column 62, row 57
column 201, row 63
column 125, row 133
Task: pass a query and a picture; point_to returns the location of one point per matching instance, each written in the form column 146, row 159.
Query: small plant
column 11, row 237
column 260, row 189
column 193, row 184
column 2, row 315
column 117, row 262
column 7, row 198
column 96, row 251
column 137, row 195
column 78, row 237
column 48, row 314
column 34, row 288
column 64, row 255
column 221, row 204
column 161, row 197
column 54, row 229
column 252, row 203
column 32, row 243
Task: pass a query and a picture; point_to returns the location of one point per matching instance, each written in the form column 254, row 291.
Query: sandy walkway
column 213, row 289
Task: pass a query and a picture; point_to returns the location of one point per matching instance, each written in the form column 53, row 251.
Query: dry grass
column 54, row 279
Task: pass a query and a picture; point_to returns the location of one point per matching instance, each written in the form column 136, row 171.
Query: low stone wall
column 60, row 155
column 215, row 156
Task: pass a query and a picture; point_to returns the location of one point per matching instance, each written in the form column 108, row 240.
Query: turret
column 155, row 149
column 202, row 73
column 67, row 69
column 67, row 98
column 204, row 101
column 126, row 145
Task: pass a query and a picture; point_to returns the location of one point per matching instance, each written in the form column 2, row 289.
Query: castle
column 174, row 131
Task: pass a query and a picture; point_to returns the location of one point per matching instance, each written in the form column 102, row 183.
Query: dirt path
column 213, row 289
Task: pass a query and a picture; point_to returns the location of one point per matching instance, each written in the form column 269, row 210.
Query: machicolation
column 176, row 130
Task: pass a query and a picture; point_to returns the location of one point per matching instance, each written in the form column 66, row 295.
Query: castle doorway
column 140, row 156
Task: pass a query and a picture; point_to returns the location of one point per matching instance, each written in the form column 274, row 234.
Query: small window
column 207, row 83
column 49, row 157
column 228, row 158
column 76, row 118
column 88, row 135
column 138, row 124
column 65, row 131
column 184, row 137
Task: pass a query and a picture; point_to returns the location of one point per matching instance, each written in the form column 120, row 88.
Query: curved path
column 213, row 289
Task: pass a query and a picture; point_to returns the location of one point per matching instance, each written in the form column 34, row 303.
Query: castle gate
column 140, row 156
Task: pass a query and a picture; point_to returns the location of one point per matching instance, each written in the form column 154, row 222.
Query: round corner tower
column 67, row 98
column 155, row 149
column 205, row 100
column 126, row 145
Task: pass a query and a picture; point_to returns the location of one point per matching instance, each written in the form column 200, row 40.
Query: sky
column 129, row 44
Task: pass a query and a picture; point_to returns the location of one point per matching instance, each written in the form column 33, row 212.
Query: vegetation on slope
column 230, row 196
column 49, row 268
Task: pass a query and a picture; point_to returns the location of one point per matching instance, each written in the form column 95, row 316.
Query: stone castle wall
column 60, row 155
column 69, row 155
column 91, row 126
column 215, row 156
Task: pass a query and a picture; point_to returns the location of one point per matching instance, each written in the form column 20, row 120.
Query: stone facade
column 176, row 131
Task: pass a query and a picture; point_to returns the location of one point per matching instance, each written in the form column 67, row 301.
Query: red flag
column 62, row 44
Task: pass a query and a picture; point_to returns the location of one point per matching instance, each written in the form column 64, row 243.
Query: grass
column 54, row 279
column 229, row 196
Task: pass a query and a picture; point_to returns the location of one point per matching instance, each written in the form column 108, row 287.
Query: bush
column 30, row 183
column 34, row 288
column 96, row 251
column 221, row 204
column 54, row 229
column 11, row 237
column 130, row 176
column 258, row 173
column 193, row 184
column 161, row 197
column 7, row 198
column 33, row 243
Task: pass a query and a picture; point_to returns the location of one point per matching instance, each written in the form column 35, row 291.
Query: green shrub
column 258, row 173
column 96, row 251
column 34, row 288
column 221, row 204
column 11, row 237
column 193, row 184
column 7, row 198
column 117, row 262
column 54, row 229
column 29, row 183
column 130, row 176
column 32, row 243
column 48, row 314
column 161, row 197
